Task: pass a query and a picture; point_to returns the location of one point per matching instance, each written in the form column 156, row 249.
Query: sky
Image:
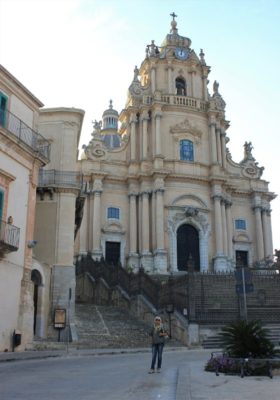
column 82, row 53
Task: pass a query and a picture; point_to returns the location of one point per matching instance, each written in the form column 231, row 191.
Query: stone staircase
column 104, row 327
column 214, row 342
column 109, row 327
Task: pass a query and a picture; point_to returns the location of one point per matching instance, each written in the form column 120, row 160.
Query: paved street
column 125, row 376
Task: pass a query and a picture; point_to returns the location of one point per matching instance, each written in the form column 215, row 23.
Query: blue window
column 113, row 212
column 1, row 203
column 3, row 107
column 186, row 150
column 240, row 224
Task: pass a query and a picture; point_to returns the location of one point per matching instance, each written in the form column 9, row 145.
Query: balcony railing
column 24, row 133
column 56, row 178
column 184, row 101
column 9, row 237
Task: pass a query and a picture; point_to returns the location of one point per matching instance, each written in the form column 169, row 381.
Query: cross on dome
column 173, row 15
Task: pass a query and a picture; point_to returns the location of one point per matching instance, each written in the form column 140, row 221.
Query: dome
column 110, row 118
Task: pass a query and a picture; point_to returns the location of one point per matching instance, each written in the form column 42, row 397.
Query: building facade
column 161, row 185
column 24, row 282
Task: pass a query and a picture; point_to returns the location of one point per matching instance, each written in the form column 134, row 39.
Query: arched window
column 186, row 150
column 181, row 87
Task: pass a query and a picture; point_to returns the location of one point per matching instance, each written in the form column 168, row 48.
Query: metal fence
column 24, row 133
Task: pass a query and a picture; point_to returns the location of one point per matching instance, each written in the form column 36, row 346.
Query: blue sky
column 81, row 53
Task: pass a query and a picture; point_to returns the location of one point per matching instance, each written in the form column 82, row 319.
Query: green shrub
column 246, row 339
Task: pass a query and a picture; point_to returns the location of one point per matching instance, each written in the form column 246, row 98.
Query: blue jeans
column 157, row 354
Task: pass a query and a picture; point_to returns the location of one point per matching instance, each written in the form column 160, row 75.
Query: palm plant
column 246, row 339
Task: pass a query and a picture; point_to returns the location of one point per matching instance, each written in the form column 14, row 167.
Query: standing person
column 158, row 335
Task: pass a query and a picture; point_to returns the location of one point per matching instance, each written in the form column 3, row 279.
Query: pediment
column 189, row 200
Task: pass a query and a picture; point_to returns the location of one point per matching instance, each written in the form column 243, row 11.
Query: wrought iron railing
column 9, row 236
column 207, row 297
column 57, row 178
column 24, row 133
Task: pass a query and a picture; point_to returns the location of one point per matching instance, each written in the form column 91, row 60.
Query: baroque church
column 161, row 187
column 155, row 190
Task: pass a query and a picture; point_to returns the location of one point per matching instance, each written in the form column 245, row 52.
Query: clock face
column 181, row 54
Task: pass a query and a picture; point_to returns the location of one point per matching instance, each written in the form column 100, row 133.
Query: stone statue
column 216, row 87
column 97, row 125
column 136, row 73
column 248, row 150
column 277, row 255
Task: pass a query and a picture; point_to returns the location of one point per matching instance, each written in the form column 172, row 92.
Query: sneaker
column 158, row 370
column 152, row 371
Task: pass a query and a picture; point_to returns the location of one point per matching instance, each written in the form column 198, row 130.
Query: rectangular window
column 3, row 106
column 240, row 224
column 186, row 150
column 1, row 203
column 113, row 212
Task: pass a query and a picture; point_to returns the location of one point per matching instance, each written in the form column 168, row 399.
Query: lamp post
column 170, row 310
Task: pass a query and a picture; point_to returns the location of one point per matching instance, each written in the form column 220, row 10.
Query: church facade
column 160, row 185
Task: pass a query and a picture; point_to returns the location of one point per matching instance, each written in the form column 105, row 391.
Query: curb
column 183, row 391
column 39, row 355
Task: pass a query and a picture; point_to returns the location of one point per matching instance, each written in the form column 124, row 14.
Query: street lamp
column 170, row 310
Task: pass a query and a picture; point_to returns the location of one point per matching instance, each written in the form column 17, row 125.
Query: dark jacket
column 155, row 333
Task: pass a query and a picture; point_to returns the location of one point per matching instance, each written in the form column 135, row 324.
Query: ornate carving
column 186, row 126
column 250, row 168
column 190, row 215
column 191, row 211
column 94, row 150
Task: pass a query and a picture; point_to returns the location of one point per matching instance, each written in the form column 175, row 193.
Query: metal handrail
column 24, row 133
column 9, row 234
column 57, row 178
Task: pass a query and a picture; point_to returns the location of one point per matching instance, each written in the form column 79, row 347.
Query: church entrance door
column 112, row 252
column 187, row 245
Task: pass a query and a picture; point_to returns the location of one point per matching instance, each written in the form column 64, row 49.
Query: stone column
column 158, row 115
column 223, row 148
column 153, row 79
column 170, row 80
column 218, row 140
column 204, row 88
column 267, row 237
column 133, row 121
column 145, row 118
column 160, row 254
column 132, row 223
column 159, row 219
column 192, row 92
column 213, row 143
column 229, row 229
column 224, row 227
column 259, row 233
column 146, row 256
column 97, row 252
column 145, row 223
column 218, row 225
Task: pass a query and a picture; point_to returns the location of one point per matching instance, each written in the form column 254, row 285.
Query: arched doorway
column 187, row 245
column 37, row 280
